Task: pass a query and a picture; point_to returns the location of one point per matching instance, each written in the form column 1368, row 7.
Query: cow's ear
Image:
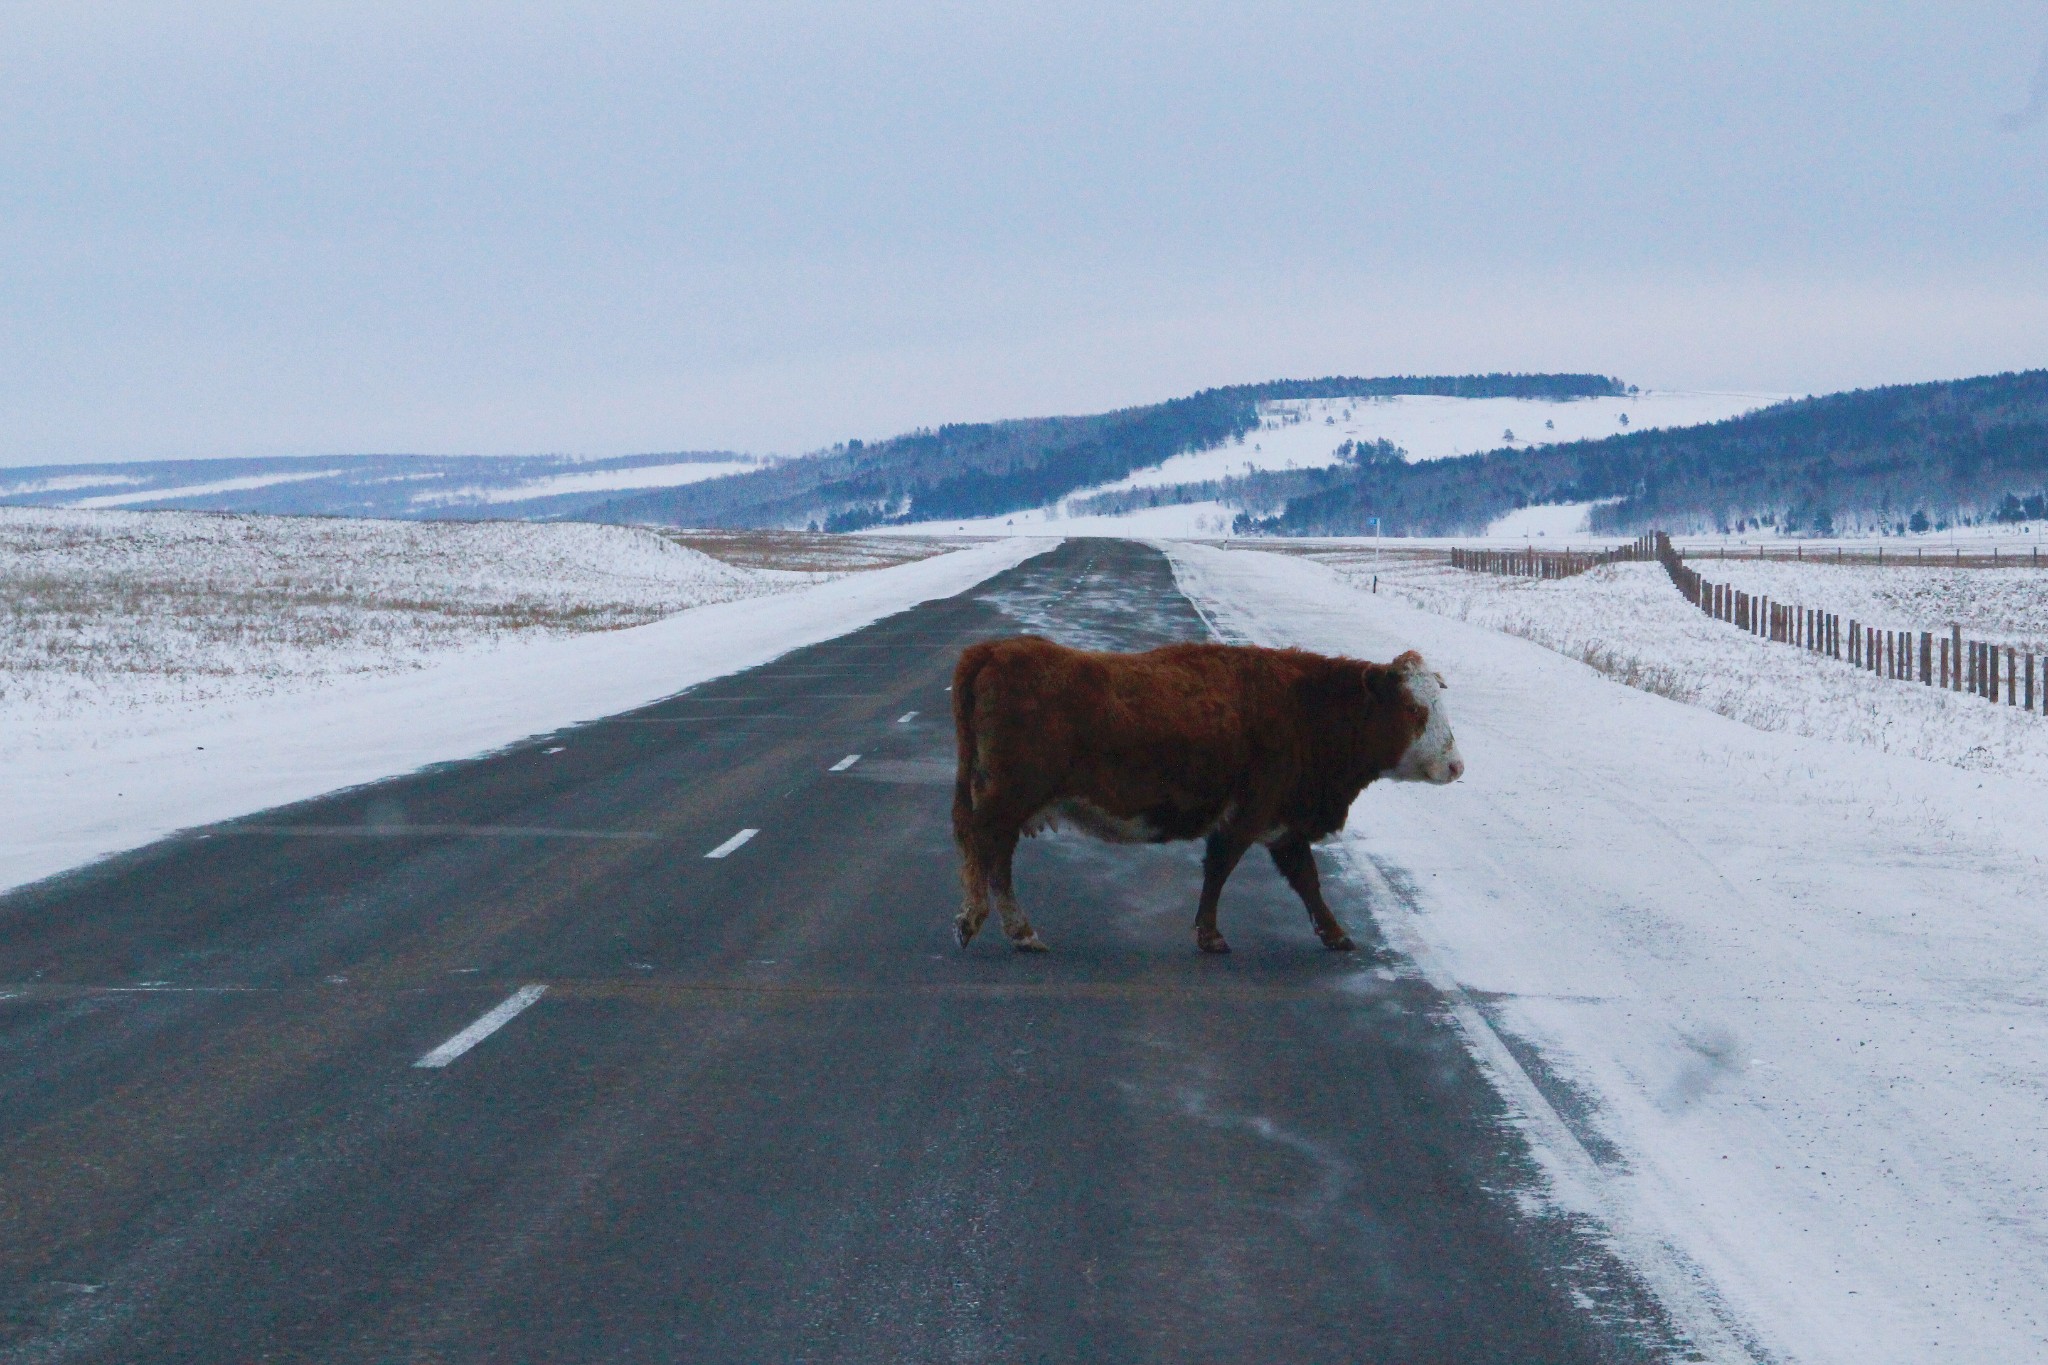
column 1384, row 683
column 1439, row 680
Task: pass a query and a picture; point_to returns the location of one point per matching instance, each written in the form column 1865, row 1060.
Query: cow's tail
column 965, row 675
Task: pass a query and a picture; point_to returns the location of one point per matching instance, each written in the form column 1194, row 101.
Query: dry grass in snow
column 1627, row 621
column 122, row 610
column 815, row 551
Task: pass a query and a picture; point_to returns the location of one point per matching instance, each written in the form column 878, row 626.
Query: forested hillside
column 990, row 468
column 1908, row 456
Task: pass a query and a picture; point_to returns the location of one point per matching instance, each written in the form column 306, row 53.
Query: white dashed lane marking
column 732, row 844
column 501, row 1014
column 843, row 764
column 906, row 717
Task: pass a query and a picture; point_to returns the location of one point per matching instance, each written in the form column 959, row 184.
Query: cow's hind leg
column 1219, row 859
column 1297, row 862
column 970, row 837
column 975, row 893
column 1022, row 936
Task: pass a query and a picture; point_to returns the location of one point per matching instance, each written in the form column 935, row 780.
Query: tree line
column 1909, row 456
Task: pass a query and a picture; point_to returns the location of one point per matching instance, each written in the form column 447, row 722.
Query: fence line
column 1955, row 557
column 1947, row 661
column 1534, row 563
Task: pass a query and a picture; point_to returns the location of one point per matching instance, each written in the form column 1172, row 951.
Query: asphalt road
column 763, row 1110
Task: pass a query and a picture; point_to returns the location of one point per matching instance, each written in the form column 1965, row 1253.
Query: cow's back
column 1166, row 738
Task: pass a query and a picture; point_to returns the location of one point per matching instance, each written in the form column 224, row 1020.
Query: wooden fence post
column 1956, row 636
column 2012, row 677
column 1944, row 661
column 1927, row 658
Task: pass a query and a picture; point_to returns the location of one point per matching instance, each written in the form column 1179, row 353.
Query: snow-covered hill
column 1309, row 433
column 510, row 487
column 1318, row 433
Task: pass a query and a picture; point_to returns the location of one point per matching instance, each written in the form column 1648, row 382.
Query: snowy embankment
column 1630, row 623
column 1776, row 1000
column 162, row 670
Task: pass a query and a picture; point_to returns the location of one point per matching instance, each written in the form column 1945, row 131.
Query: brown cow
column 1233, row 744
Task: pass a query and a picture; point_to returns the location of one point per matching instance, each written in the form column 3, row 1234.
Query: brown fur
column 1229, row 743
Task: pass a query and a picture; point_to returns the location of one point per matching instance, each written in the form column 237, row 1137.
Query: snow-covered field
column 1768, row 1005
column 165, row 669
column 1629, row 622
column 110, row 612
column 2009, row 606
column 1549, row 522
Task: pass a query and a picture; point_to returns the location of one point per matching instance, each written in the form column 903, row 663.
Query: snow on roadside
column 101, row 765
column 1786, row 993
column 1629, row 622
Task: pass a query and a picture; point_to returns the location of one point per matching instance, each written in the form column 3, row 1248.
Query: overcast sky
column 237, row 229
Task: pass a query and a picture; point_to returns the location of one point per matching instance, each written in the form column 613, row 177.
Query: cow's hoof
column 1341, row 943
column 1030, row 943
column 962, row 935
column 1212, row 943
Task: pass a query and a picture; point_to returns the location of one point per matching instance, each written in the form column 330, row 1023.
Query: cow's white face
column 1433, row 757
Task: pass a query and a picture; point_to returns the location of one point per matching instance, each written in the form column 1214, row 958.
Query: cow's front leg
column 1218, row 861
column 1297, row 862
